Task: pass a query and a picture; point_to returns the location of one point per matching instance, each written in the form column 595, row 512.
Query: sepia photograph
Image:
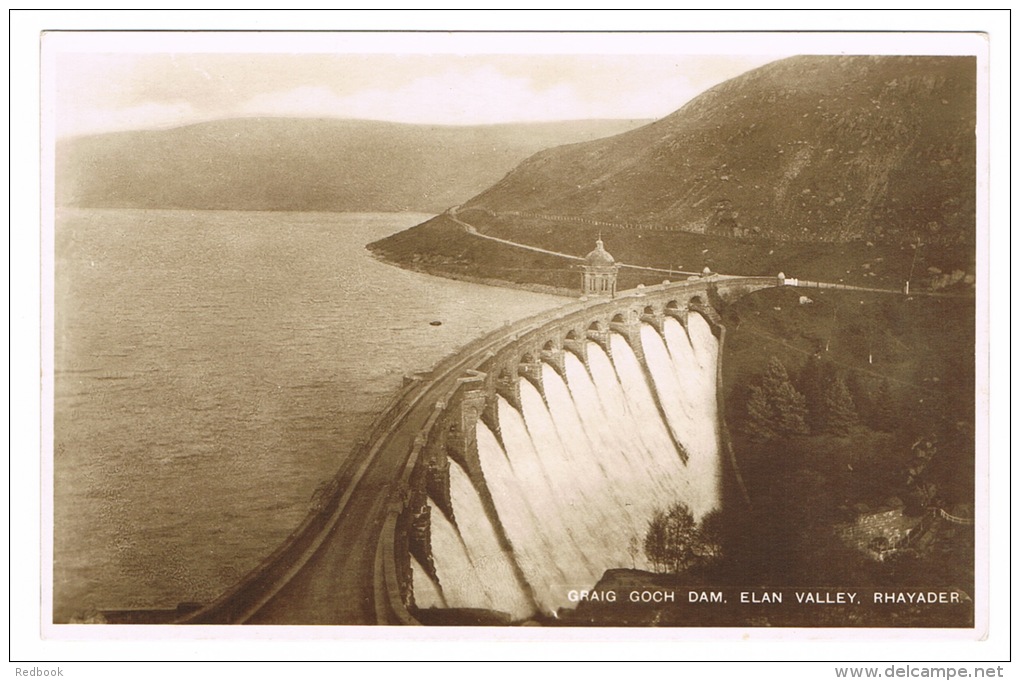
column 570, row 332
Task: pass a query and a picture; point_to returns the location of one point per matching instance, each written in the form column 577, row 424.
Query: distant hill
column 303, row 164
column 858, row 169
column 811, row 148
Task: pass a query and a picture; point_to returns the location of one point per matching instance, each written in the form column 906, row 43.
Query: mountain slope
column 807, row 148
column 302, row 164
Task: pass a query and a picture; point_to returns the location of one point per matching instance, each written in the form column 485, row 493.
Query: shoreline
column 484, row 281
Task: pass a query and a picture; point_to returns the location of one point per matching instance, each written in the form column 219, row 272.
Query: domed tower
column 600, row 272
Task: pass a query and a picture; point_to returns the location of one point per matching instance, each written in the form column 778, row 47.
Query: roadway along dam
column 516, row 470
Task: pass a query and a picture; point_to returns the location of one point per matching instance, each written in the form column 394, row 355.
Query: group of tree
column 839, row 400
column 675, row 542
column 832, row 407
column 823, row 401
column 775, row 408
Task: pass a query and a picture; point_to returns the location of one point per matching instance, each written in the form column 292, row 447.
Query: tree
column 673, row 540
column 861, row 394
column 760, row 424
column 839, row 410
column 713, row 532
column 922, row 488
column 815, row 378
column 885, row 414
column 775, row 408
column 634, row 549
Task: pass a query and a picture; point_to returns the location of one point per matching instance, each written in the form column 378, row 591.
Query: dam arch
column 629, row 321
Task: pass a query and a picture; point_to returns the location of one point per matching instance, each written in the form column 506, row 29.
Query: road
column 452, row 213
column 471, row 229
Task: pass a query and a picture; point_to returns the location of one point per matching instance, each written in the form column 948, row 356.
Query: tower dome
column 600, row 256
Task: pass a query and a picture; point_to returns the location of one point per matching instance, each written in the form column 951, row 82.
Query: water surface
column 211, row 369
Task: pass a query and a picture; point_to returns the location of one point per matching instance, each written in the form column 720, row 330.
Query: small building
column 600, row 271
column 879, row 532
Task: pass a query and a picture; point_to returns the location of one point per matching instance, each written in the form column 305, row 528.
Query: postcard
column 561, row 331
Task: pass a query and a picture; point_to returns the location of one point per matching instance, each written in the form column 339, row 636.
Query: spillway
column 575, row 472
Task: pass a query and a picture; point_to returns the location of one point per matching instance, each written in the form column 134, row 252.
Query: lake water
column 211, row 369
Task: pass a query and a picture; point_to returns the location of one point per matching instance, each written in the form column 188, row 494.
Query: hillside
column 855, row 169
column 302, row 164
column 807, row 148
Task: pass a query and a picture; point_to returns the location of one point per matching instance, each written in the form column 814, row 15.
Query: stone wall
column 877, row 532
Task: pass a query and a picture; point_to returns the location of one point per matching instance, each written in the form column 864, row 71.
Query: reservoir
column 211, row 369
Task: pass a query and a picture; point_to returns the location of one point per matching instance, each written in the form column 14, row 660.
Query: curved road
column 471, row 229
column 803, row 283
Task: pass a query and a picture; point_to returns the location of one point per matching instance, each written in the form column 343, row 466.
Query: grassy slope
column 816, row 148
column 801, row 485
column 923, row 347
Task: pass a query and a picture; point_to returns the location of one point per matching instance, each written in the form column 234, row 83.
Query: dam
column 565, row 471
column 516, row 470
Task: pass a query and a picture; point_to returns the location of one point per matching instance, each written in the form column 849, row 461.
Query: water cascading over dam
column 574, row 457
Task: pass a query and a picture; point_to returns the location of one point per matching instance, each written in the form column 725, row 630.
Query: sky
column 95, row 89
column 98, row 82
